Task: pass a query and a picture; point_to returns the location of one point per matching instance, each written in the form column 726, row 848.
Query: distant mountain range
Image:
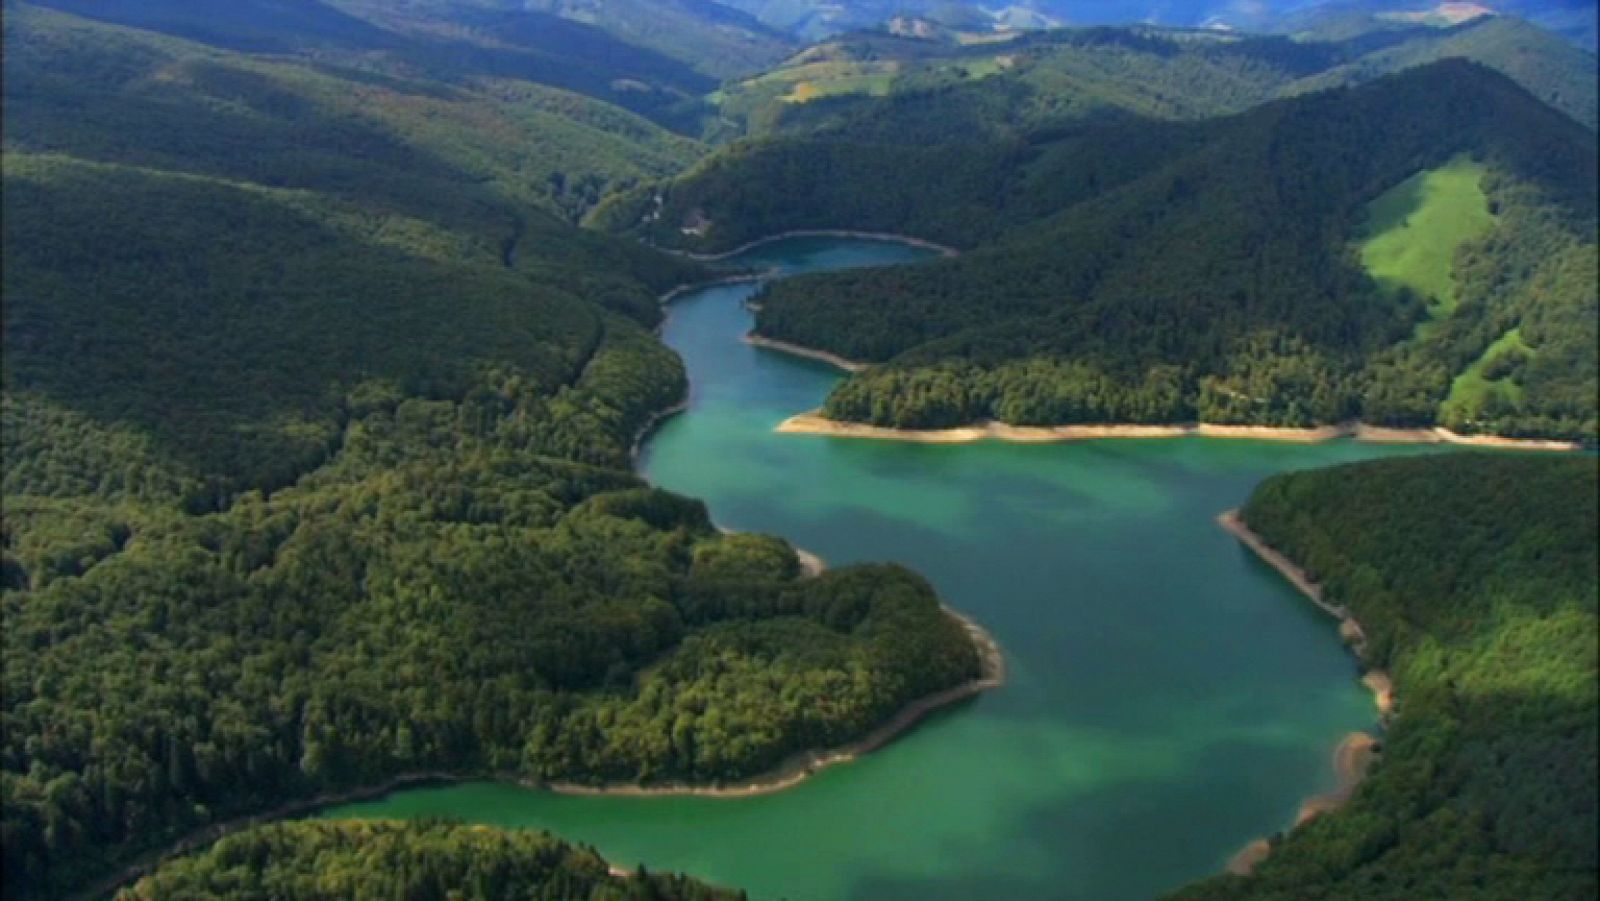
column 1066, row 74
column 817, row 19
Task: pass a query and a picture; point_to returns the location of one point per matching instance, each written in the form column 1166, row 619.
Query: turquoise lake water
column 1170, row 697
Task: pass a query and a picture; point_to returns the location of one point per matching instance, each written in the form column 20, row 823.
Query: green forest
column 1042, row 80
column 1151, row 271
column 902, row 115
column 1474, row 579
column 656, row 58
column 329, row 340
column 318, row 414
column 345, row 861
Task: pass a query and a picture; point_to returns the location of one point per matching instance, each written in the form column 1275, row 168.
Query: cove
column 1169, row 699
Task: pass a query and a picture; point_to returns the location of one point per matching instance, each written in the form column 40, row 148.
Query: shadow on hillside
column 229, row 327
column 523, row 44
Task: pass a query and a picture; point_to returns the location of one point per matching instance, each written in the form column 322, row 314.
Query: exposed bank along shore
column 814, row 423
column 942, row 249
column 795, row 350
column 736, row 279
column 799, row 767
column 1357, row 752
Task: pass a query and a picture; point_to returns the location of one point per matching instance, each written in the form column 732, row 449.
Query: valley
column 443, row 450
column 1081, row 758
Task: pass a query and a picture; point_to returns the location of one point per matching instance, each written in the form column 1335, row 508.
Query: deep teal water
column 1170, row 697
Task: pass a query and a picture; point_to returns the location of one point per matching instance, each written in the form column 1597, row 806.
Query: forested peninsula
column 341, row 860
column 318, row 412
column 1232, row 271
column 1473, row 577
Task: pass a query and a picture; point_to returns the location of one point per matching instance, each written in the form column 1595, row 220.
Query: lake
column 1170, row 697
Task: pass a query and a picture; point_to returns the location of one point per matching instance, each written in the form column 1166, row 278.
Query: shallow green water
column 1170, row 697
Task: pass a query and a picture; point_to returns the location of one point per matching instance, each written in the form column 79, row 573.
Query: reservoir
column 1169, row 698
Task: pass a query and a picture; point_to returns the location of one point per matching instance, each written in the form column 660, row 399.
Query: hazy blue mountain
column 816, row 19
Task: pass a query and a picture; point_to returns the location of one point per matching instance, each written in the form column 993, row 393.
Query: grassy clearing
column 757, row 96
column 977, row 67
column 1415, row 227
column 801, row 83
column 1487, row 380
column 874, row 82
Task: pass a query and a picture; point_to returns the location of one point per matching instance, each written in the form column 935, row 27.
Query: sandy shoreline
column 942, row 249
column 814, row 423
column 1359, row 750
column 811, row 565
column 1351, row 760
column 801, row 766
column 796, row 350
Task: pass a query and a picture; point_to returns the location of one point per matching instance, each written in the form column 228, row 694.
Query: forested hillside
column 715, row 38
column 1046, row 80
column 348, row 860
column 1474, row 579
column 317, row 425
column 655, row 57
column 460, row 155
column 898, row 112
column 1555, row 71
column 1155, row 272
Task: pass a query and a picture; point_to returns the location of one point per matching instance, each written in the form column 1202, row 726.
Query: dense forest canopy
column 473, row 157
column 1150, row 271
column 361, row 860
column 318, row 405
column 317, row 415
column 1474, row 579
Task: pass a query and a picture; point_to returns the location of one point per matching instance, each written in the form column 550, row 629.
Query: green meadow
column 1415, row 228
column 1487, row 378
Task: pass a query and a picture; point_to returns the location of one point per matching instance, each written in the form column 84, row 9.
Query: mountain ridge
column 1102, row 245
